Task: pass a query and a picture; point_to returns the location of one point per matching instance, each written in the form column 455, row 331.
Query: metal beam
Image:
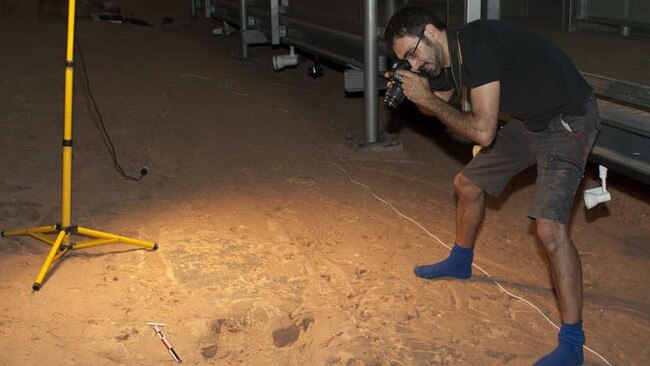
column 493, row 10
column 569, row 15
column 243, row 21
column 624, row 91
column 370, row 63
column 472, row 13
column 275, row 23
column 207, row 7
column 472, row 10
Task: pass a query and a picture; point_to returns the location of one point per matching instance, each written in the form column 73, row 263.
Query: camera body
column 395, row 93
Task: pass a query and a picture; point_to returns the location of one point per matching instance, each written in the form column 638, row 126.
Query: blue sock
column 458, row 265
column 569, row 352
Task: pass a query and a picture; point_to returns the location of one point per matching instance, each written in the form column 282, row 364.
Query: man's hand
column 416, row 87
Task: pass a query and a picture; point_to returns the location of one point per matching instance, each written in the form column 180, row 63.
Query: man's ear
column 431, row 32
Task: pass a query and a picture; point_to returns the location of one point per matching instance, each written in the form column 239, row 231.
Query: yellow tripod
column 61, row 240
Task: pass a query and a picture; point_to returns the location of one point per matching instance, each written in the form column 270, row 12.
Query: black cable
column 105, row 136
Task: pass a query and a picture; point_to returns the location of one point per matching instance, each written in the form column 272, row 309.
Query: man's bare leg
column 566, row 273
column 469, row 214
column 469, row 210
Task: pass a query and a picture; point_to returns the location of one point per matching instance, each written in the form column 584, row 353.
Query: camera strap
column 454, row 59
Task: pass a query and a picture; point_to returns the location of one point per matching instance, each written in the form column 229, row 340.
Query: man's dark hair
column 411, row 21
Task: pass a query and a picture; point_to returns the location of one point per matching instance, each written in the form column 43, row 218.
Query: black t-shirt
column 537, row 80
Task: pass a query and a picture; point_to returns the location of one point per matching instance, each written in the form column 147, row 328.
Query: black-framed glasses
column 411, row 54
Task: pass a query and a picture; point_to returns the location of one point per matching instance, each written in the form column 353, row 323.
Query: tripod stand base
column 61, row 243
column 385, row 142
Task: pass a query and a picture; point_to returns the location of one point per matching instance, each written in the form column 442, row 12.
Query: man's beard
column 433, row 67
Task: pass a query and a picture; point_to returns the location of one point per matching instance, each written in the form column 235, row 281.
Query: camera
column 395, row 94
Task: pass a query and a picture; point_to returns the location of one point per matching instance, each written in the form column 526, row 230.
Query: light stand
column 59, row 235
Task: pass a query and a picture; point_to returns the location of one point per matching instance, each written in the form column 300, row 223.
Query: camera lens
column 394, row 95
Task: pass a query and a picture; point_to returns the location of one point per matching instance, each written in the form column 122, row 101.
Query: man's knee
column 465, row 188
column 552, row 234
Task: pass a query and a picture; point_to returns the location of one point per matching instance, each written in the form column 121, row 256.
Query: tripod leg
column 49, row 260
column 100, row 235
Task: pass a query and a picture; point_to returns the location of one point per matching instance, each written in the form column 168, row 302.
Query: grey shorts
column 560, row 152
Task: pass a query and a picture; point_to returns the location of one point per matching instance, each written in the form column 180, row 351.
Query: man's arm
column 479, row 125
column 444, row 95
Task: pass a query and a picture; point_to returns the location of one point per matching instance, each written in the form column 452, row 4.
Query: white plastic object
column 598, row 195
column 282, row 61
